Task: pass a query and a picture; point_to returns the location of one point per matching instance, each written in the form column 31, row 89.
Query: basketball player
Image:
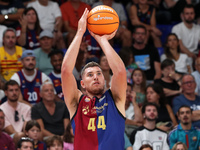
column 98, row 118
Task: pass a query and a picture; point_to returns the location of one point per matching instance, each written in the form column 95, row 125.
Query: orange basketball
column 102, row 20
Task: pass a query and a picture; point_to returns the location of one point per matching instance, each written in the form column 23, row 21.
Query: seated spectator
column 146, row 147
column 29, row 31
column 127, row 145
column 32, row 130
column 179, row 145
column 10, row 54
column 123, row 33
column 25, row 143
column 56, row 57
column 188, row 97
column 16, row 113
column 146, row 57
column 172, row 51
column 60, row 2
column 2, row 29
column 52, row 116
column 166, row 119
column 144, row 14
column 42, row 60
column 50, row 19
column 6, row 142
column 185, row 131
column 68, row 138
column 188, row 33
column 148, row 133
column 10, row 12
column 54, row 142
column 196, row 75
column 170, row 80
column 29, row 78
column 133, row 112
column 139, row 85
column 72, row 11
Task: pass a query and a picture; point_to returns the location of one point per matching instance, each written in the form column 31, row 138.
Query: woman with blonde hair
column 179, row 146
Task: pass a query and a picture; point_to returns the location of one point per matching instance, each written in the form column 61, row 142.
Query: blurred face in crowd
column 137, row 77
column 2, row 120
column 188, row 84
column 143, row 2
column 31, row 16
column 26, row 146
column 185, row 115
column 188, row 15
column 151, row 113
column 29, row 63
column 139, row 36
column 46, row 43
column 104, row 63
column 180, row 147
column 12, row 93
column 56, row 146
column 47, row 92
column 33, row 133
column 9, row 39
column 168, row 70
column 56, row 61
column 172, row 42
column 152, row 96
column 197, row 64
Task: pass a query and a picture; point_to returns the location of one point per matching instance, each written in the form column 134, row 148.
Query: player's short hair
column 186, row 106
column 167, row 62
column 24, row 139
column 51, row 140
column 88, row 65
column 55, row 52
column 149, row 104
column 10, row 82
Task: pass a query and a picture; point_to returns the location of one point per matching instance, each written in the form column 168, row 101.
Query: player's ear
column 82, row 84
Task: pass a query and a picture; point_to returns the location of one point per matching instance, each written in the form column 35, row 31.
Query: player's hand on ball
column 82, row 23
column 98, row 38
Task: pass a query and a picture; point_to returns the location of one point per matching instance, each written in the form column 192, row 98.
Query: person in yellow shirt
column 10, row 55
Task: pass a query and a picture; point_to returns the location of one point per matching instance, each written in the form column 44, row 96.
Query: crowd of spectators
column 163, row 79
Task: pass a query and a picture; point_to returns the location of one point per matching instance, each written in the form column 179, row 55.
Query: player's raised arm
column 118, row 82
column 71, row 93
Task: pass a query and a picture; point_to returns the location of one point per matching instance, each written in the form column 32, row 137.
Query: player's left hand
column 106, row 36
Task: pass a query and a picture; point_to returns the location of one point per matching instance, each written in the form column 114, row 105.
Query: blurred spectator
column 133, row 113
column 25, row 2
column 170, row 81
column 42, row 60
column 196, row 75
column 173, row 52
column 29, row 31
column 144, row 14
column 146, row 147
column 166, row 119
column 6, row 141
column 68, row 138
column 54, row 142
column 127, row 145
column 185, row 132
column 123, row 33
column 189, row 98
column 139, row 85
column 10, row 54
column 50, row 19
column 52, row 116
column 29, row 78
column 56, row 57
column 72, row 11
column 16, row 113
column 25, row 143
column 10, row 12
column 60, row 2
column 148, row 133
column 2, row 29
column 188, row 32
column 32, row 130
column 179, row 145
column 146, row 56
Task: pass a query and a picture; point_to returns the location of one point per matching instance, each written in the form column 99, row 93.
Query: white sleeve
column 137, row 143
column 56, row 10
column 163, row 57
column 16, row 78
column 165, row 145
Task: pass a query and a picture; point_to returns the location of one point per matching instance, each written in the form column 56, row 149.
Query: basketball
column 102, row 20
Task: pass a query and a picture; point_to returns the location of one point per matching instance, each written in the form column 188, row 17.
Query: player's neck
column 91, row 95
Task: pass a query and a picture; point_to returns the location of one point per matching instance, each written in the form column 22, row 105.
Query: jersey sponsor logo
column 37, row 82
column 85, row 110
column 194, row 138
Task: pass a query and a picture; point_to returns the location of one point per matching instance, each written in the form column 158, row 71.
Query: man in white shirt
column 188, row 32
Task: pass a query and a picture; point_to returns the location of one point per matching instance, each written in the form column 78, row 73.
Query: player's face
column 152, row 96
column 185, row 115
column 29, row 63
column 56, row 146
column 56, row 61
column 188, row 15
column 33, row 133
column 139, row 36
column 188, row 84
column 26, row 146
column 46, row 43
column 104, row 63
column 12, row 92
column 2, row 120
column 93, row 80
column 47, row 92
column 9, row 39
column 31, row 16
column 137, row 77
column 172, row 42
column 167, row 70
column 151, row 113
